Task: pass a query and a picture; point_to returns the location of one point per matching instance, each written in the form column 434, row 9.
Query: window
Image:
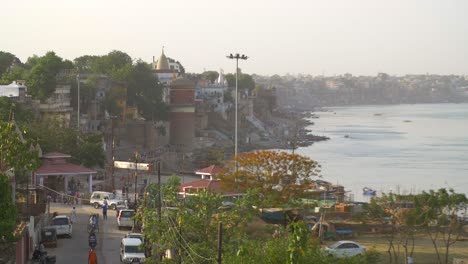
column 348, row 245
column 60, row 221
column 127, row 213
column 133, row 249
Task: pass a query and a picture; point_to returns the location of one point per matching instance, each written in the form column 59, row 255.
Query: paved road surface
column 75, row 250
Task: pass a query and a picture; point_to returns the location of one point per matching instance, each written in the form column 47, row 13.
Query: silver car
column 62, row 224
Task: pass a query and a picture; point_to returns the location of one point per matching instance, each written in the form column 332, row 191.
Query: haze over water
column 398, row 148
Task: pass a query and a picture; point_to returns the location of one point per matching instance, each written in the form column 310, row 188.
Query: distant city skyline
column 331, row 37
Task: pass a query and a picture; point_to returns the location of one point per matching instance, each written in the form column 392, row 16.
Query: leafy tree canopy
column 6, row 60
column 15, row 155
column 244, row 81
column 86, row 149
column 211, row 76
column 43, row 77
column 8, row 108
column 145, row 92
column 279, row 177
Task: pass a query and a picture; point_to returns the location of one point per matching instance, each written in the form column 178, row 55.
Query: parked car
column 124, row 218
column 131, row 252
column 345, row 248
column 97, row 200
column 62, row 225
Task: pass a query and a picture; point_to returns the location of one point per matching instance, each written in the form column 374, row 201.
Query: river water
column 393, row 148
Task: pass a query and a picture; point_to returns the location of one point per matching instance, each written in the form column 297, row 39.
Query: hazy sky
column 361, row 37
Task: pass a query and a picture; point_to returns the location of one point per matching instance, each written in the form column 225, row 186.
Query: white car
column 131, row 251
column 135, row 235
column 62, row 224
column 124, row 218
column 345, row 248
column 97, row 200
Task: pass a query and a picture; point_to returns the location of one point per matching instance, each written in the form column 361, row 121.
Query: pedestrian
column 73, row 215
column 104, row 211
column 92, row 257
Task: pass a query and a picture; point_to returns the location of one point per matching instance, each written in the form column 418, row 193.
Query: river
column 393, row 148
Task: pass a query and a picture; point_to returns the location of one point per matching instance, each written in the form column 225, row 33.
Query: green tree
column 438, row 214
column 8, row 217
column 190, row 226
column 116, row 64
column 85, row 149
column 42, row 79
column 145, row 92
column 6, row 59
column 244, row 81
column 86, row 63
column 17, row 73
column 211, row 76
column 8, row 109
column 15, row 155
column 386, row 210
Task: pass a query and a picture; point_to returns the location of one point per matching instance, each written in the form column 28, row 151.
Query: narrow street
column 75, row 250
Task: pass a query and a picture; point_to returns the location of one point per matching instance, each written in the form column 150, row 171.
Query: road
column 75, row 250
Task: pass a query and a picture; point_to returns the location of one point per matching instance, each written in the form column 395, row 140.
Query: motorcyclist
column 92, row 240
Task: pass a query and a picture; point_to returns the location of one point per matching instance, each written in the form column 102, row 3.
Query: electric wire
column 188, row 245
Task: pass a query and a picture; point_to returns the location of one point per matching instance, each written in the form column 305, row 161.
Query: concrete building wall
column 146, row 134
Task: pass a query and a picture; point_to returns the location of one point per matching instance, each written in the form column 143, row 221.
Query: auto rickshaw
column 49, row 236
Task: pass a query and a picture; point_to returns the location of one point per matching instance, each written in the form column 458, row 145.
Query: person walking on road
column 104, row 211
column 92, row 257
column 73, row 215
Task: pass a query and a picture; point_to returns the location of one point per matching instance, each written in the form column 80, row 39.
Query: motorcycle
column 92, row 240
column 41, row 257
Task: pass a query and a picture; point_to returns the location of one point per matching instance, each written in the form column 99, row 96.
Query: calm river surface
column 398, row 148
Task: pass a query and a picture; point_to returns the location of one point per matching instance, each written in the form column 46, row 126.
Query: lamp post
column 237, row 56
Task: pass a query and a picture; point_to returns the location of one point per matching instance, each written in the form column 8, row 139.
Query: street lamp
column 237, row 56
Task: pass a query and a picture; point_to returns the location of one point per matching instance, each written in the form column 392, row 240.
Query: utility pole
column 136, row 175
column 78, row 103
column 159, row 191
column 112, row 154
column 220, row 242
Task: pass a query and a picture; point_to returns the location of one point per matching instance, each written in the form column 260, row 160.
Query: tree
column 113, row 100
column 86, row 149
column 438, row 214
column 116, row 64
column 386, row 211
column 17, row 73
column 190, row 226
column 86, row 63
column 211, row 76
column 8, row 110
column 15, row 155
column 279, row 177
column 244, row 81
column 6, row 59
column 42, row 79
column 145, row 92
